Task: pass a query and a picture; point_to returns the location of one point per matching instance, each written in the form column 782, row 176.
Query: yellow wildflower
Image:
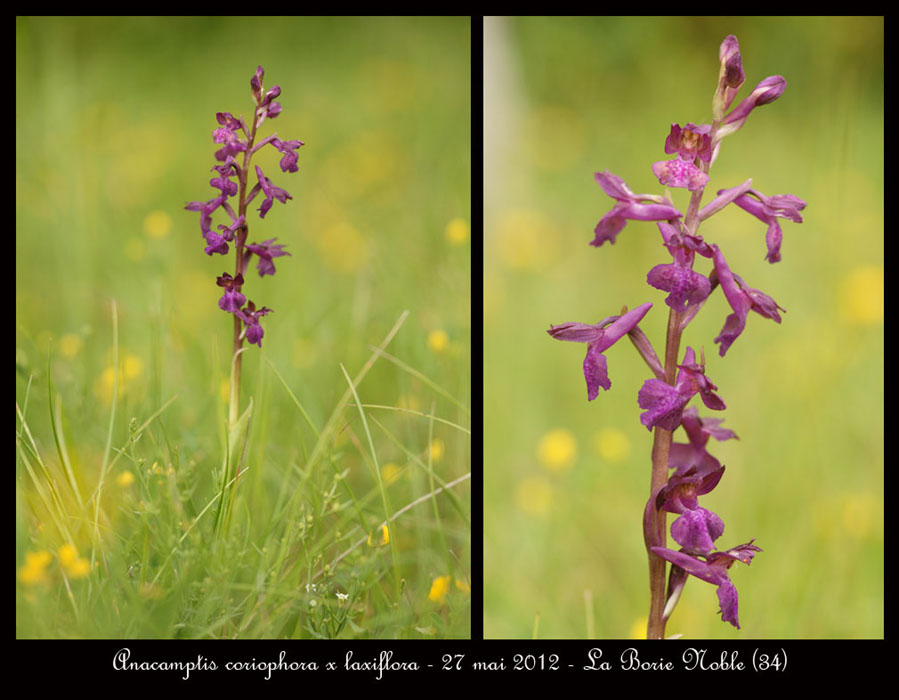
column 157, row 224
column 34, row 571
column 131, row 368
column 70, row 345
column 457, row 231
column 527, row 239
column 343, row 248
column 390, row 473
column 439, row 589
column 67, row 554
column 861, row 295
column 385, row 537
column 612, row 445
column 438, row 340
column 436, row 450
column 557, row 449
column 75, row 566
column 534, row 495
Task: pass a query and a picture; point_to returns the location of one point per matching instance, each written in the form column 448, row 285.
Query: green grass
column 564, row 545
column 343, row 500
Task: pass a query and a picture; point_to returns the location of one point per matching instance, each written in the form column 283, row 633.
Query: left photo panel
column 243, row 328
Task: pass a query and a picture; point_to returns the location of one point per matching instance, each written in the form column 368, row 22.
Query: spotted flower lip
column 599, row 340
column 712, row 568
column 742, row 299
column 638, row 207
column 696, row 530
column 680, row 173
column 685, row 286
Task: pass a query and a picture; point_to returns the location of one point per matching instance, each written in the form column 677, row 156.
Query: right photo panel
column 683, row 327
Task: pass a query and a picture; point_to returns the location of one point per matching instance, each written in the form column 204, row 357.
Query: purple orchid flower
column 250, row 316
column 713, row 569
column 230, row 122
column 697, row 528
column 768, row 210
column 599, row 339
column 685, row 286
column 629, row 206
column 227, row 135
column 215, row 243
column 741, row 299
column 690, row 142
column 665, row 403
column 223, row 182
column 232, row 299
column 272, row 193
column 288, row 161
column 266, row 251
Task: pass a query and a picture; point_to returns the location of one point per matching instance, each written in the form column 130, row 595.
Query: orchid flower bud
column 766, row 91
column 730, row 76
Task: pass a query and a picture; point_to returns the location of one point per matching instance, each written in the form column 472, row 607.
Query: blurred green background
column 114, row 121
column 566, row 480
